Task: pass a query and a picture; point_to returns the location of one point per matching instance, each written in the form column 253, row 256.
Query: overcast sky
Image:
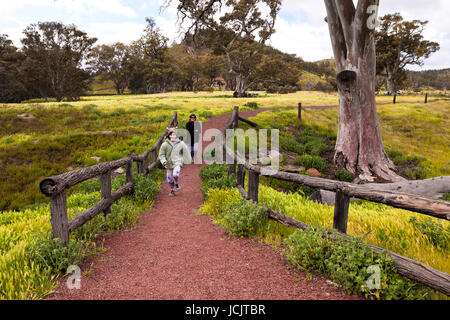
column 300, row 26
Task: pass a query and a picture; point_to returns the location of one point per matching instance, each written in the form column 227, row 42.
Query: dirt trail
column 174, row 254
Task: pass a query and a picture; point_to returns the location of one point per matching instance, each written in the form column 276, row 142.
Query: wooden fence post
column 236, row 117
column 300, row 111
column 426, row 97
column 155, row 155
column 341, row 211
column 58, row 219
column 144, row 165
column 105, row 181
column 253, row 185
column 240, row 175
column 395, row 98
column 232, row 168
column 139, row 165
column 130, row 173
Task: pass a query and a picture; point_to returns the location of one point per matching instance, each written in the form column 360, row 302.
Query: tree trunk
column 359, row 147
column 390, row 85
column 240, row 86
column 433, row 188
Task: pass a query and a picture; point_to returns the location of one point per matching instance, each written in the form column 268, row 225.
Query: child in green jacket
column 171, row 156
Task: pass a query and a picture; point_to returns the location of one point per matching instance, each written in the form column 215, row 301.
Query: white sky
column 300, row 26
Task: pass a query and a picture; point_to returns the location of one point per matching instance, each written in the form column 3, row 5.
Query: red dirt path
column 173, row 254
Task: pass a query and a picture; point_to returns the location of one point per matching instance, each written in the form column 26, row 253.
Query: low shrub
column 224, row 182
column 213, row 171
column 215, row 176
column 434, row 230
column 316, row 146
column 309, row 161
column 292, row 145
column 350, row 263
column 217, row 201
column 147, row 186
column 418, row 173
column 251, row 105
column 117, row 112
column 244, row 218
column 50, row 254
column 343, row 175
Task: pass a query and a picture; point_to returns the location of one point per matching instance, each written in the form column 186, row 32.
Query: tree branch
column 336, row 34
column 362, row 17
column 346, row 11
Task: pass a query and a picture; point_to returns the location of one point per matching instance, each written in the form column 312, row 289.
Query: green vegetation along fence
column 409, row 268
column 55, row 187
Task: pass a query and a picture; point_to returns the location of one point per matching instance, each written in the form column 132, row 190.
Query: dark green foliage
column 308, row 162
column 224, row 182
column 292, row 145
column 315, row 146
column 348, row 261
column 50, row 253
column 244, row 218
column 206, row 114
column 446, row 196
column 287, row 186
column 416, row 167
column 343, row 175
column 434, row 231
column 147, row 186
column 216, row 176
column 213, row 171
column 418, row 173
column 251, row 105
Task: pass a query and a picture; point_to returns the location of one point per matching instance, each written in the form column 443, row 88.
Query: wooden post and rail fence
column 407, row 267
column 55, row 187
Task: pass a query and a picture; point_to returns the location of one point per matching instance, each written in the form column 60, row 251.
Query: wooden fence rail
column 409, row 268
column 55, row 187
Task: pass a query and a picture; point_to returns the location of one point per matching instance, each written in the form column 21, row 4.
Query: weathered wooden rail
column 55, row 187
column 409, row 268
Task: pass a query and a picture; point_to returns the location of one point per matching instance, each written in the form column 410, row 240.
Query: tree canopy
column 54, row 57
column 400, row 43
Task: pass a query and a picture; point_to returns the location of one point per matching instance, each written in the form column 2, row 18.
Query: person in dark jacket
column 194, row 129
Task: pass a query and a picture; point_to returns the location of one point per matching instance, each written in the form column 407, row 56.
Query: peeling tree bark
column 359, row 147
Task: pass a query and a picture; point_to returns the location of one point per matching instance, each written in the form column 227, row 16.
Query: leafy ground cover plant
column 352, row 264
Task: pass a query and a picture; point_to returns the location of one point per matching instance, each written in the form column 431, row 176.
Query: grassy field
column 62, row 136
column 42, row 139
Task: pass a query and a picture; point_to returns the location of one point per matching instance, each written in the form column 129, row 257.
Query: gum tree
column 236, row 29
column 400, row 43
column 55, row 54
column 359, row 147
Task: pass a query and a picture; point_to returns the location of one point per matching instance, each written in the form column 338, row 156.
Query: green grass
column 418, row 133
column 30, row 260
column 66, row 135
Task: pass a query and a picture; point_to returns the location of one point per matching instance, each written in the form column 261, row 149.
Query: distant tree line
column 60, row 61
